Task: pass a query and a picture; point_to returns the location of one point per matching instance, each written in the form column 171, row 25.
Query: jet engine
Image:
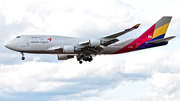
column 65, row 57
column 68, row 49
column 94, row 42
column 97, row 42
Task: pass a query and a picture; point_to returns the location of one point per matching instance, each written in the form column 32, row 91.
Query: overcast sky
column 147, row 75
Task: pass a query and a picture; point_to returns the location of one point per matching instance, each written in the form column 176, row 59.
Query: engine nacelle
column 68, row 49
column 94, row 42
column 65, row 57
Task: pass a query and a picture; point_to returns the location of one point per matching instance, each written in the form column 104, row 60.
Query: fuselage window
column 18, row 37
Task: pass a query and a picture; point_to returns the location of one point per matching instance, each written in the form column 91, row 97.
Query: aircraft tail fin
column 153, row 37
column 158, row 30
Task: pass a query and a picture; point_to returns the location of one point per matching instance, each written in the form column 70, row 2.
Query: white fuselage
column 41, row 43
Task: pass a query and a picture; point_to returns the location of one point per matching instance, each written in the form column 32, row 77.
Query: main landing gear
column 23, row 58
column 82, row 58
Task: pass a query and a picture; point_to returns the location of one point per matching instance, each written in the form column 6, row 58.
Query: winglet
column 136, row 26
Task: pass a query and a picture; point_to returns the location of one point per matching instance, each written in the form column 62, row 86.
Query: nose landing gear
column 23, row 58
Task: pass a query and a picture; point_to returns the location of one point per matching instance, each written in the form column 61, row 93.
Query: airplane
column 69, row 47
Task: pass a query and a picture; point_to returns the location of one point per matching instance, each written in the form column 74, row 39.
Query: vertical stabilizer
column 161, row 27
column 158, row 30
column 153, row 37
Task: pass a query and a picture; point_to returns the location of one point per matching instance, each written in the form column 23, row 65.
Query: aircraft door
column 27, row 43
column 42, row 37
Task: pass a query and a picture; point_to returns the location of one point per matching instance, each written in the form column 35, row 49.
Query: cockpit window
column 18, row 37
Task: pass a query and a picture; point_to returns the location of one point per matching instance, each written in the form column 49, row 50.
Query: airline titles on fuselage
column 40, row 42
column 49, row 40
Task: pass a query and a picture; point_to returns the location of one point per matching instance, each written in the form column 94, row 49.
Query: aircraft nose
column 8, row 45
column 11, row 45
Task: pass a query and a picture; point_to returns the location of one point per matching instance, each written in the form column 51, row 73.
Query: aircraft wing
column 104, row 41
column 92, row 50
column 122, row 32
column 93, row 46
column 110, row 39
column 85, row 49
column 55, row 48
column 108, row 42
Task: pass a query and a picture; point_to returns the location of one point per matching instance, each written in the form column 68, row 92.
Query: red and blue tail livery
column 83, row 48
column 153, row 37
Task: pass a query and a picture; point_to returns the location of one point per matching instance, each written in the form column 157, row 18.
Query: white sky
column 147, row 75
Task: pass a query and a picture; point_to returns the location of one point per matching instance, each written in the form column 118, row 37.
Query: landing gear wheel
column 81, row 56
column 90, row 59
column 80, row 62
column 84, row 59
column 78, row 59
column 23, row 58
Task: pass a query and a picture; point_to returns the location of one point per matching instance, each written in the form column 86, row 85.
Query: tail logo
column 149, row 36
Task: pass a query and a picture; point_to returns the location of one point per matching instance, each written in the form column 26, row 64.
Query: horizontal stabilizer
column 161, row 40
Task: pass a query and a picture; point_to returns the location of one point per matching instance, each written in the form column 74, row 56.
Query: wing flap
column 93, row 50
column 110, row 41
